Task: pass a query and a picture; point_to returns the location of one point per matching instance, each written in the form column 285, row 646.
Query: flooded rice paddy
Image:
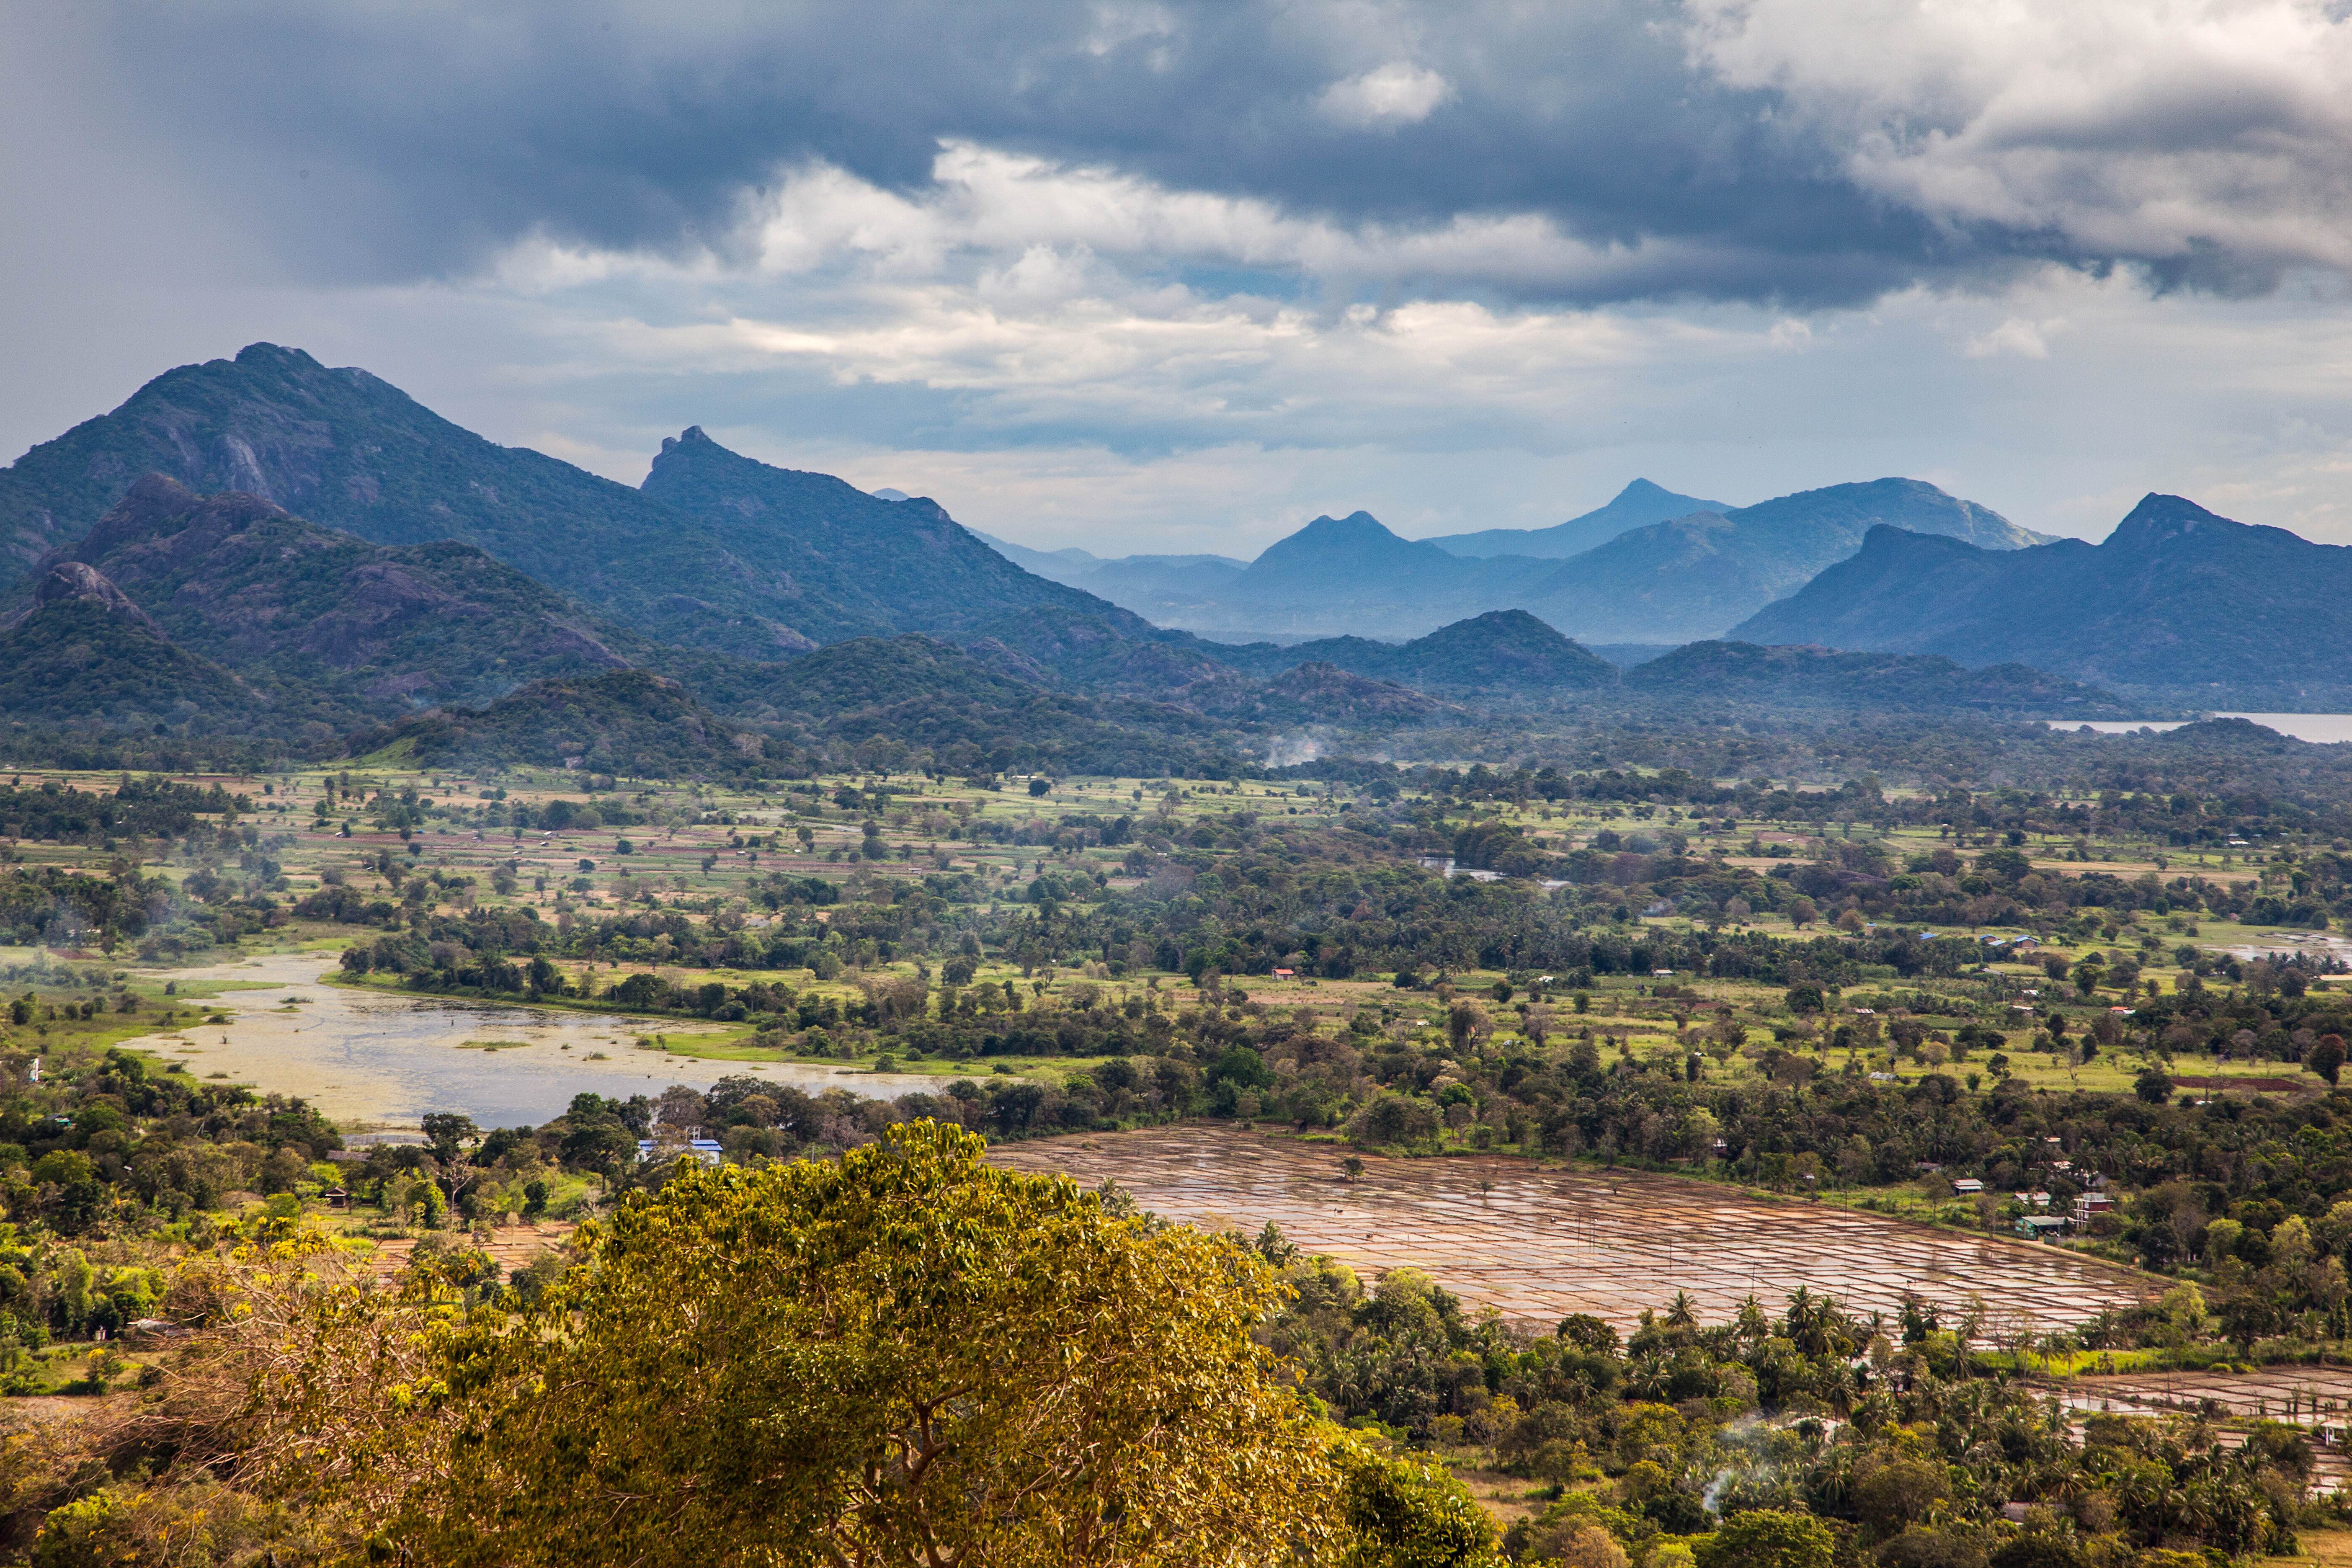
column 1540, row 1243
column 383, row 1059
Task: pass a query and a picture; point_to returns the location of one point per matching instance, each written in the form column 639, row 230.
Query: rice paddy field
column 1537, row 1242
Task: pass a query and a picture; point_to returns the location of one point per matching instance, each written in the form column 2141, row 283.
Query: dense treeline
column 147, row 808
column 1904, row 1440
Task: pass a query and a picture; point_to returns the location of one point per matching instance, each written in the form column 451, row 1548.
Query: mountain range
column 714, row 551
column 1638, row 505
column 306, row 557
column 1633, row 576
column 2175, row 600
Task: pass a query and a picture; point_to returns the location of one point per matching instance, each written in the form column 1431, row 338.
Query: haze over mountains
column 269, row 549
column 2175, row 598
column 1651, row 567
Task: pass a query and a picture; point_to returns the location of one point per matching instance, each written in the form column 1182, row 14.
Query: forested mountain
column 838, row 563
column 746, row 553
column 82, row 657
column 1707, row 674
column 1636, row 506
column 326, row 625
column 1503, row 655
column 346, row 449
column 625, row 719
column 1693, row 577
column 891, row 695
column 1054, row 646
column 2176, row 599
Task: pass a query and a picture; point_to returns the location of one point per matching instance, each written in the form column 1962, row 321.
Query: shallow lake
column 385, row 1059
column 2325, row 729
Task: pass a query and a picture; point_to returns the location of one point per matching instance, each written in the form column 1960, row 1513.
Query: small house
column 339, row 1198
column 1284, row 973
column 1966, row 1186
column 706, row 1150
column 2040, row 1227
column 2089, row 1204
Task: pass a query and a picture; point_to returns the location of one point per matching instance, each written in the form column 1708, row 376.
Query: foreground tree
column 905, row 1357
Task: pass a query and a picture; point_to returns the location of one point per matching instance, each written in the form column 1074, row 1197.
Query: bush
column 1393, row 1118
column 1769, row 1538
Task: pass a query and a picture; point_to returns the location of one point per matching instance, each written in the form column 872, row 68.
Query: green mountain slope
column 1505, row 656
column 353, row 452
column 1707, row 673
column 81, row 656
column 626, row 720
column 839, row 563
column 752, row 560
column 877, row 698
column 329, row 627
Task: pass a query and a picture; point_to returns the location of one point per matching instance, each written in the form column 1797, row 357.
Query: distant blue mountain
column 1638, row 504
column 2175, row 599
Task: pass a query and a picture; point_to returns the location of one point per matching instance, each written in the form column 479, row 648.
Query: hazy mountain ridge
column 1673, row 581
column 1693, row 577
column 1639, row 504
column 2176, row 599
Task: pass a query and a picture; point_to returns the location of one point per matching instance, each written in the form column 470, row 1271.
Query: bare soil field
column 1541, row 1242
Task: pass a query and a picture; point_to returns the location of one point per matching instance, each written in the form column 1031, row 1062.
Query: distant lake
column 2325, row 729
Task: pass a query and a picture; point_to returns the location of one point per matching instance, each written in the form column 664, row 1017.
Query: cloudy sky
column 1172, row 277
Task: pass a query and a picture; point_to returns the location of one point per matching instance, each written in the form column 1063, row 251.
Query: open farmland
column 1546, row 1241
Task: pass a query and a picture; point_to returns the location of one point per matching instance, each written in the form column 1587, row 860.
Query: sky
column 1165, row 277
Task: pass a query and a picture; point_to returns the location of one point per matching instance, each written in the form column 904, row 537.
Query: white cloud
column 2016, row 336
column 2211, row 136
column 1398, row 93
column 1025, row 340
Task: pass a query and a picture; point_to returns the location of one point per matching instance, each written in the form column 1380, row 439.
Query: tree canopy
column 906, row 1356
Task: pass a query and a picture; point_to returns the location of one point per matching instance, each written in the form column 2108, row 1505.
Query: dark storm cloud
column 386, row 143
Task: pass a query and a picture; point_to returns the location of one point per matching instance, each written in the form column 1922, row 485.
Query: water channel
column 383, row 1060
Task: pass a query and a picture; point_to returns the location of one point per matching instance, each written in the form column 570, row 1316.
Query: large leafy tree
column 903, row 1357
